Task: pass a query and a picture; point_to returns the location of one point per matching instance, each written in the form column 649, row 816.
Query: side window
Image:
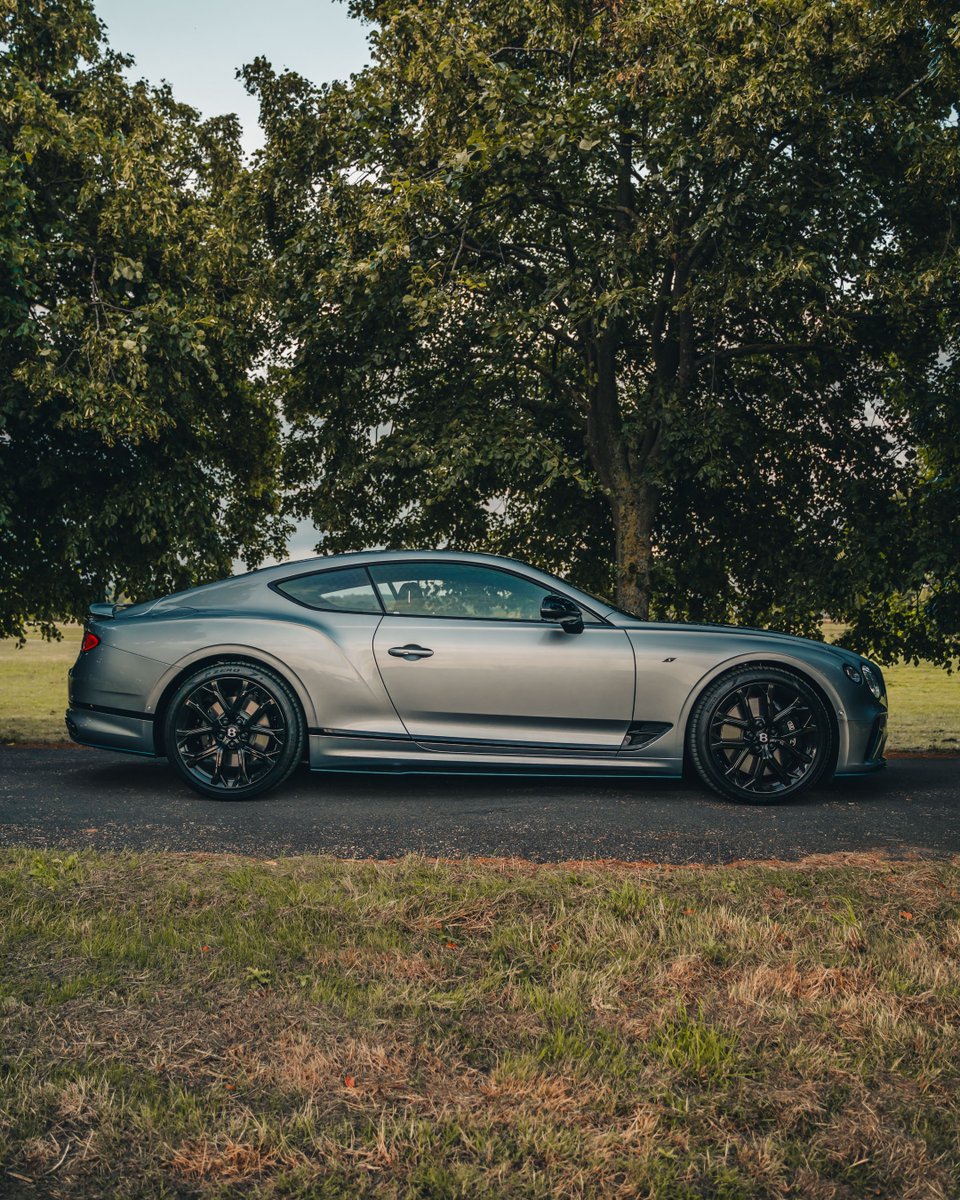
column 347, row 589
column 447, row 589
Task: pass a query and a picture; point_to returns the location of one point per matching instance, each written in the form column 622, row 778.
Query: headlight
column 852, row 673
column 874, row 681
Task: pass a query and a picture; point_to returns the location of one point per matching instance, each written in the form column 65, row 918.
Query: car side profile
column 411, row 661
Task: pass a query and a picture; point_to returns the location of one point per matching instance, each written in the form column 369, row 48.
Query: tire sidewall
column 698, row 734
column 288, row 704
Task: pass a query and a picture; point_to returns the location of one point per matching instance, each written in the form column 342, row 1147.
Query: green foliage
column 652, row 293
column 136, row 452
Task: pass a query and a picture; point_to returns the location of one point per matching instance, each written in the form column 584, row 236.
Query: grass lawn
column 924, row 701
column 177, row 1025
column 924, row 708
column 33, row 687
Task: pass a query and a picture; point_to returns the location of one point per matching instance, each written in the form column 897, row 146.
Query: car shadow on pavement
column 156, row 777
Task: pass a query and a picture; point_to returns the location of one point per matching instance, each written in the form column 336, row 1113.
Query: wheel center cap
column 763, row 737
column 232, row 731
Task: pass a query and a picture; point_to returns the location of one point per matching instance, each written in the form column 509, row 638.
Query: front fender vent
column 642, row 733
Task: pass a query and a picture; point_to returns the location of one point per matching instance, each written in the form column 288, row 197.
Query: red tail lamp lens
column 89, row 641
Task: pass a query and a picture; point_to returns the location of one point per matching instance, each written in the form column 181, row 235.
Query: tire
column 233, row 731
column 760, row 735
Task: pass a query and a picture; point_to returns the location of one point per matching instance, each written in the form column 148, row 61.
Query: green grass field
column 924, row 701
column 211, row 1026
column 33, row 687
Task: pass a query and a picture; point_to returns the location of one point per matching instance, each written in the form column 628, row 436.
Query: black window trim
column 598, row 621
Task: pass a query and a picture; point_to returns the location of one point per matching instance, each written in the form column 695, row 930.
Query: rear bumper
column 111, row 729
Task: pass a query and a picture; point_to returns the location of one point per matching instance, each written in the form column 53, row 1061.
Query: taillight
column 89, row 641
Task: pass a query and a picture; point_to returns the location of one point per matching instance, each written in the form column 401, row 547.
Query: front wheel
column 233, row 731
column 760, row 735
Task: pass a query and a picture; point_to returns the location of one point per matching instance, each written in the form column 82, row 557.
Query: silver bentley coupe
column 440, row 661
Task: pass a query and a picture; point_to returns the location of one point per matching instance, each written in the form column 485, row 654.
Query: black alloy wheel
column 234, row 731
column 760, row 735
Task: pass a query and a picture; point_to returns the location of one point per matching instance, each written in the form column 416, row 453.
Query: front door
column 465, row 658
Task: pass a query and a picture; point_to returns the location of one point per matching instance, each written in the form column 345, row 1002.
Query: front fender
column 842, row 695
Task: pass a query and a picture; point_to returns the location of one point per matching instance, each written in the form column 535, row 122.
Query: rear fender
column 165, row 686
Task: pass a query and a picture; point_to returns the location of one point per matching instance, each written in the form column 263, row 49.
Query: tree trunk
column 624, row 472
column 634, row 511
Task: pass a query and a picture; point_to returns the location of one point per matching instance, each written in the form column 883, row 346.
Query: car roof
column 349, row 558
column 247, row 584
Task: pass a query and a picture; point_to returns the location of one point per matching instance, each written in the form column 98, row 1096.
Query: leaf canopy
column 137, row 452
column 652, row 293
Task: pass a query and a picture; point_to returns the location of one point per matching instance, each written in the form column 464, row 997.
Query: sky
column 197, row 47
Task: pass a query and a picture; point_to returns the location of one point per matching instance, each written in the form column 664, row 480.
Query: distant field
column 924, row 701
column 33, row 687
column 924, row 704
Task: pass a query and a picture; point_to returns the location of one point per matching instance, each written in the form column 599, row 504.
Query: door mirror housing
column 563, row 612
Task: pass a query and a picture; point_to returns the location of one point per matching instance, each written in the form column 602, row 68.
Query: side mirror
column 562, row 612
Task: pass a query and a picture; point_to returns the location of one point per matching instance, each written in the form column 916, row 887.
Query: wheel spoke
column 735, row 766
column 244, row 774
column 259, row 711
column 736, row 722
column 779, row 770
column 268, row 731
column 749, row 784
column 795, row 705
column 203, row 754
column 803, row 757
column 217, row 765
column 237, row 702
column 193, row 703
column 262, row 755
column 214, row 687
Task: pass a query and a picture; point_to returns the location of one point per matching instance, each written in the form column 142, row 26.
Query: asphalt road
column 75, row 797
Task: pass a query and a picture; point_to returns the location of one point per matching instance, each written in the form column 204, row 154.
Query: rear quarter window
column 345, row 589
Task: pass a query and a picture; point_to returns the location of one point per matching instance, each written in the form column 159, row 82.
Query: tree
column 137, row 454
column 647, row 292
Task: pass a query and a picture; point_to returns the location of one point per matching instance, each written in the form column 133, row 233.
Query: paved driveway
column 76, row 797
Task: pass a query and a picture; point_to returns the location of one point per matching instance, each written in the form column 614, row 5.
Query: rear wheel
column 760, row 735
column 233, row 731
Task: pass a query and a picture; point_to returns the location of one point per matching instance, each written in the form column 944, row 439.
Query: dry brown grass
column 210, row 1026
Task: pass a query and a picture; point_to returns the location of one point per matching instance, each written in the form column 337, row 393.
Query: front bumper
column 866, row 739
column 111, row 729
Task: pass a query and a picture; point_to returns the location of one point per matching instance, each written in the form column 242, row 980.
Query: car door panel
column 503, row 682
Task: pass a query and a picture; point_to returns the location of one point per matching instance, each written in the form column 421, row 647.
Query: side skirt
column 366, row 753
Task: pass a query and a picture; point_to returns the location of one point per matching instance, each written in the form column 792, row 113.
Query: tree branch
column 753, row 349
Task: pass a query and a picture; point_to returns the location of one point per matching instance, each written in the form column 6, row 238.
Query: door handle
column 410, row 653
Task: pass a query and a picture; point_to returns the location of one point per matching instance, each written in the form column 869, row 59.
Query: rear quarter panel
column 326, row 657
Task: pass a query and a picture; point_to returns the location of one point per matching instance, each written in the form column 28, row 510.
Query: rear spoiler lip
column 106, row 612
